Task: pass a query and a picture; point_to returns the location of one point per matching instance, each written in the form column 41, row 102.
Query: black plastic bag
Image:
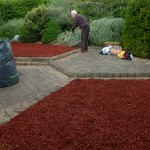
column 8, row 71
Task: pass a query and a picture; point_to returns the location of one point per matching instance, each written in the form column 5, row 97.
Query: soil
column 38, row 50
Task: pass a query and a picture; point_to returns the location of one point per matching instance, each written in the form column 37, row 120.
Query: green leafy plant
column 119, row 12
column 92, row 10
column 10, row 9
column 55, row 11
column 11, row 28
column 61, row 9
column 136, row 32
column 52, row 31
column 119, row 8
column 28, row 37
column 102, row 30
column 1, row 20
column 102, row 8
column 69, row 38
column 35, row 23
column 106, row 29
column 63, row 18
column 65, row 21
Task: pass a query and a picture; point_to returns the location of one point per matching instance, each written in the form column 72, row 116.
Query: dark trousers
column 84, row 38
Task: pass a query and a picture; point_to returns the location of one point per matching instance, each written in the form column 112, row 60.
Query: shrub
column 1, row 20
column 63, row 3
column 92, row 10
column 55, row 11
column 28, row 37
column 103, row 8
column 51, row 32
column 35, row 23
column 119, row 8
column 63, row 18
column 102, row 30
column 11, row 28
column 61, row 9
column 119, row 12
column 10, row 9
column 106, row 29
column 136, row 32
column 65, row 22
column 69, row 38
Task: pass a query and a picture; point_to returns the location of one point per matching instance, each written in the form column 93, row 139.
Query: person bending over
column 81, row 22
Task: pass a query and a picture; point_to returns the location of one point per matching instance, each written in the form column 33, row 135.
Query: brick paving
column 35, row 83
column 92, row 64
column 41, row 76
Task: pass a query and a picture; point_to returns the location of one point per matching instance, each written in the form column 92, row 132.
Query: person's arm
column 75, row 24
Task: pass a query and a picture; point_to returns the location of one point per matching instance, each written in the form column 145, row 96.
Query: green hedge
column 136, row 32
column 51, row 32
column 92, row 10
column 10, row 9
column 102, row 8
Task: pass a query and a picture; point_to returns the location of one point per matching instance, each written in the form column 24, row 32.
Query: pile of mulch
column 85, row 115
column 38, row 50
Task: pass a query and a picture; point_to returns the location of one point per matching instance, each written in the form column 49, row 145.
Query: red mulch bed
column 85, row 115
column 38, row 50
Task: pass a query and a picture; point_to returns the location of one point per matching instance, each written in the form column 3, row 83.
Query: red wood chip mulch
column 85, row 115
column 38, row 50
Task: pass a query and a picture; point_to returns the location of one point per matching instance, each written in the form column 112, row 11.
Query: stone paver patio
column 41, row 76
column 35, row 83
column 92, row 64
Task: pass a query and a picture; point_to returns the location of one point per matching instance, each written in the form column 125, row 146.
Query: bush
column 1, row 20
column 65, row 21
column 63, row 3
column 102, row 30
column 63, row 18
column 69, row 38
column 55, row 11
column 28, row 37
column 35, row 23
column 136, row 32
column 101, row 9
column 61, row 9
column 92, row 10
column 119, row 12
column 119, row 8
column 11, row 28
column 10, row 9
column 51, row 32
column 106, row 29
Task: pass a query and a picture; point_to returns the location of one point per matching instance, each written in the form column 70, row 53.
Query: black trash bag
column 8, row 71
